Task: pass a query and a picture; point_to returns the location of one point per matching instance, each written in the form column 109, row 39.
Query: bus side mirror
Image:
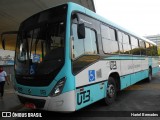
column 3, row 44
column 3, row 37
column 81, row 31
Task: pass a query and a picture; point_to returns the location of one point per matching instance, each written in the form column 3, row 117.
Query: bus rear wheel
column 111, row 91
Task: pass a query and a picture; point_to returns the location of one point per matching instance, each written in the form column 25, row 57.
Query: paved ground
column 9, row 101
column 141, row 97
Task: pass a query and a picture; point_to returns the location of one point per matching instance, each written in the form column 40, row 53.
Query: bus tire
column 149, row 79
column 111, row 91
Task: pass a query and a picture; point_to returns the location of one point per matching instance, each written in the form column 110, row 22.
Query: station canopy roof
column 13, row 12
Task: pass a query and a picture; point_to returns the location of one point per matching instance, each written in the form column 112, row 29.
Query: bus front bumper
column 62, row 103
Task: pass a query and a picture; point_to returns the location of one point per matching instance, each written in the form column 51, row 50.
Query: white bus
column 68, row 57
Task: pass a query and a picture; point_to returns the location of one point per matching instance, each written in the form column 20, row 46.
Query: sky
column 139, row 16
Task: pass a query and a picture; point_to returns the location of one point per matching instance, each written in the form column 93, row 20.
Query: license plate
column 30, row 105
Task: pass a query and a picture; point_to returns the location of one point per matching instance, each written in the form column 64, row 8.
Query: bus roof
column 102, row 19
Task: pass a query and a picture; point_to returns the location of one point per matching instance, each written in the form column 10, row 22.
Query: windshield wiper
column 31, row 44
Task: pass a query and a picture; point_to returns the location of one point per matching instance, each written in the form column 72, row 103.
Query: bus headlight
column 57, row 90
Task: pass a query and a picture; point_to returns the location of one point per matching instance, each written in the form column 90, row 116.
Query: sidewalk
column 10, row 101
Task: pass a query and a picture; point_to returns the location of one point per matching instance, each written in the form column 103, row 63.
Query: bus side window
column 155, row 52
column 135, row 46
column 84, row 46
column 126, row 44
column 120, row 39
column 90, row 43
column 109, row 42
column 151, row 49
column 156, row 49
column 142, row 47
column 148, row 50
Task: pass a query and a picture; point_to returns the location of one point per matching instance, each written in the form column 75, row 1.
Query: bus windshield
column 39, row 48
column 40, row 44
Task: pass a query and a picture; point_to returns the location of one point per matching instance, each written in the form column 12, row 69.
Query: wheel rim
column 111, row 90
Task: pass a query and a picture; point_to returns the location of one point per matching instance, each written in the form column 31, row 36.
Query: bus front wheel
column 111, row 91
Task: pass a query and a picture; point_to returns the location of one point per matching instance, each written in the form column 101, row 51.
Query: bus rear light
column 57, row 90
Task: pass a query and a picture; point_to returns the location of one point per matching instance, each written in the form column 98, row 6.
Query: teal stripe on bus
column 130, row 79
column 124, row 58
column 93, row 93
column 155, row 70
column 90, row 94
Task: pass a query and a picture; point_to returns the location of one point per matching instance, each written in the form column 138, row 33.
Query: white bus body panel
column 62, row 103
column 102, row 66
